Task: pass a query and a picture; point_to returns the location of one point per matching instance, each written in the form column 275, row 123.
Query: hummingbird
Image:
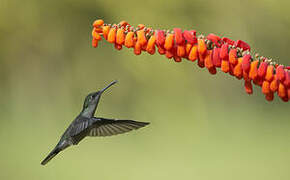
column 85, row 124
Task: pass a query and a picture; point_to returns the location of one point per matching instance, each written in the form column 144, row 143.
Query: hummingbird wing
column 110, row 127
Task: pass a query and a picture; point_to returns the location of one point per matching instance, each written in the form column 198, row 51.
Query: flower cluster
column 211, row 51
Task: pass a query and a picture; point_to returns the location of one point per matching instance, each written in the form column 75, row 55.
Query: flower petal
column 280, row 73
column 178, row 36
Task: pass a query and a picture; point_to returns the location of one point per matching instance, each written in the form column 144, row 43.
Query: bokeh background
column 202, row 126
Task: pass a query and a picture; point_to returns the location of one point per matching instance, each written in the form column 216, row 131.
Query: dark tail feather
column 53, row 153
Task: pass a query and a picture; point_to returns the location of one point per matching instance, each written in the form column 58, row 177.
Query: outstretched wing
column 110, row 127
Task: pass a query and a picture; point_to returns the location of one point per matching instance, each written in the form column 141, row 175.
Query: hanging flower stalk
column 211, row 51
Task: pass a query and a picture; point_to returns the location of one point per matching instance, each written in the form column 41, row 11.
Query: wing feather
column 110, row 127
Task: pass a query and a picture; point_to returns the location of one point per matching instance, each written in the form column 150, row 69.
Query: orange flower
column 129, row 40
column 281, row 91
column 193, row 55
column 98, row 23
column 141, row 37
column 274, row 84
column 112, row 35
column 253, row 74
column 106, row 30
column 180, row 50
column 137, row 48
column 238, row 71
column 151, row 45
column 120, row 38
column 188, row 47
column 233, row 56
column 98, row 29
column 207, row 60
column 225, row 67
column 96, row 35
column 266, row 87
column 201, row 47
column 269, row 74
column 169, row 41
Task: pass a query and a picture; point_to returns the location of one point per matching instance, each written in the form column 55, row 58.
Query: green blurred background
column 203, row 127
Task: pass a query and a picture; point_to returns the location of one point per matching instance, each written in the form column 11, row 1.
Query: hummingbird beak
column 92, row 101
column 112, row 83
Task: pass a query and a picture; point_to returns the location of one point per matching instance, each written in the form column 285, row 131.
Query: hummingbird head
column 92, row 100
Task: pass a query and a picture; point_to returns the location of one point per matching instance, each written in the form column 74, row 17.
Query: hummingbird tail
column 53, row 153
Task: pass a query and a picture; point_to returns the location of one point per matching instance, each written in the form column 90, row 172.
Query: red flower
column 262, row 70
column 216, row 57
column 178, row 36
column 243, row 45
column 248, row 87
column 246, row 63
column 190, row 36
column 228, row 41
column 280, row 73
column 211, row 52
column 215, row 39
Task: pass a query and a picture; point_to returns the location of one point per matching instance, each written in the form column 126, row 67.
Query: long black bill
column 112, row 83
